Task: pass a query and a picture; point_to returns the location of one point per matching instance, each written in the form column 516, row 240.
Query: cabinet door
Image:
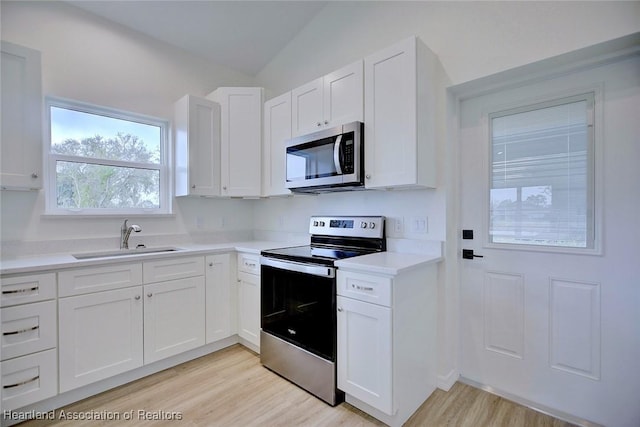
column 197, row 146
column 390, row 116
column 307, row 108
column 21, row 93
column 241, row 140
column 249, row 307
column 365, row 352
column 174, row 317
column 343, row 96
column 277, row 130
column 219, row 303
column 100, row 335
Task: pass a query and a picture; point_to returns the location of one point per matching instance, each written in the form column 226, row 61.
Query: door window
column 541, row 175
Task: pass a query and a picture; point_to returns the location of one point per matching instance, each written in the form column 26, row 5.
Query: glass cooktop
column 314, row 254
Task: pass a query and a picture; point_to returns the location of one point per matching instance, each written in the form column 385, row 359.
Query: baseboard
column 531, row 405
column 445, row 382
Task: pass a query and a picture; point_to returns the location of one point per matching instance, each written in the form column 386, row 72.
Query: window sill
column 76, row 215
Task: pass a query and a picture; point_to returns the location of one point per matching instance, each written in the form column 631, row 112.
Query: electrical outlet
column 398, row 226
column 419, row 224
column 199, row 223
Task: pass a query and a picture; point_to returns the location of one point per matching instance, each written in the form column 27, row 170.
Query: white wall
column 472, row 39
column 89, row 59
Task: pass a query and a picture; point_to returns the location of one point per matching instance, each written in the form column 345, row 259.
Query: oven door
column 298, row 305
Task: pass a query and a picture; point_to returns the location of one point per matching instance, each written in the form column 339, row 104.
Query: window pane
column 92, row 135
column 84, row 185
column 541, row 177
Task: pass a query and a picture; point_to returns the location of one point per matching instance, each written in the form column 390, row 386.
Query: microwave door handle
column 336, row 154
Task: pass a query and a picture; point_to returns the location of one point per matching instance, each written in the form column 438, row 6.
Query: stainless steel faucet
column 125, row 232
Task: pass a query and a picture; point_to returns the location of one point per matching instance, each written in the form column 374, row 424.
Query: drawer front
column 365, row 287
column 25, row 289
column 28, row 329
column 171, row 269
column 96, row 279
column 249, row 263
column 29, row 379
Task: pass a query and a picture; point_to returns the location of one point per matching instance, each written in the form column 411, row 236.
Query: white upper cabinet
column 277, row 130
column 21, row 149
column 241, row 140
column 328, row 101
column 401, row 84
column 197, row 147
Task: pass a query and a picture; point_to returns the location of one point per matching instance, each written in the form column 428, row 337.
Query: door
column 365, row 367
column 344, row 96
column 390, row 116
column 21, row 128
column 307, row 111
column 277, row 131
column 549, row 314
column 249, row 307
column 240, row 139
column 299, row 306
column 100, row 335
column 219, row 304
column 174, row 317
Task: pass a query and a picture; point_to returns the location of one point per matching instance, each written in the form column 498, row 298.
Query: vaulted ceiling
column 242, row 35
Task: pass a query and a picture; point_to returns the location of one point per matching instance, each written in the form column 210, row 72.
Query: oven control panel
column 351, row 226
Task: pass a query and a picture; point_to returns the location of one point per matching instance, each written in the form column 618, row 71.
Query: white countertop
column 388, row 263
column 47, row 262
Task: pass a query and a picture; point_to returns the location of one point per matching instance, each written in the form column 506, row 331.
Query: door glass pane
column 541, row 175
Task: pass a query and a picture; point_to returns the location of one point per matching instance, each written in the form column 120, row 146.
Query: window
column 542, row 174
column 105, row 161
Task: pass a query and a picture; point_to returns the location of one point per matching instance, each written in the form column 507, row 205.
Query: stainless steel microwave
column 328, row 160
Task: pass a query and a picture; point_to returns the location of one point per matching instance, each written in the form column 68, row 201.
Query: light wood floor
column 231, row 388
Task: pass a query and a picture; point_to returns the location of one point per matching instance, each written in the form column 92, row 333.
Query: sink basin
column 123, row 252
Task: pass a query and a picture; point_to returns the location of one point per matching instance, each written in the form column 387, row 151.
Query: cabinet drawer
column 95, row 279
column 249, row 263
column 171, row 269
column 365, row 287
column 29, row 379
column 28, row 328
column 25, row 289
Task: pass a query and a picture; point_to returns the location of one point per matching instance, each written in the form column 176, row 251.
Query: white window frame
column 164, row 167
column 596, row 120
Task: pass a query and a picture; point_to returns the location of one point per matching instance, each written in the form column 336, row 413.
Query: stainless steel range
column 298, row 300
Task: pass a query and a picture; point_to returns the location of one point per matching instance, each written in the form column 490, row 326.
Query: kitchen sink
column 124, row 252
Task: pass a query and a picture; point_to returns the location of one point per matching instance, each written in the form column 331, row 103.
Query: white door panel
column 558, row 329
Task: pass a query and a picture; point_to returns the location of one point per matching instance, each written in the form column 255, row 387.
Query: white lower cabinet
column 100, row 335
column 249, row 298
column 387, row 340
column 105, row 333
column 174, row 317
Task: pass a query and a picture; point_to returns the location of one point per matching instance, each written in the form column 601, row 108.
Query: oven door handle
column 316, row 270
